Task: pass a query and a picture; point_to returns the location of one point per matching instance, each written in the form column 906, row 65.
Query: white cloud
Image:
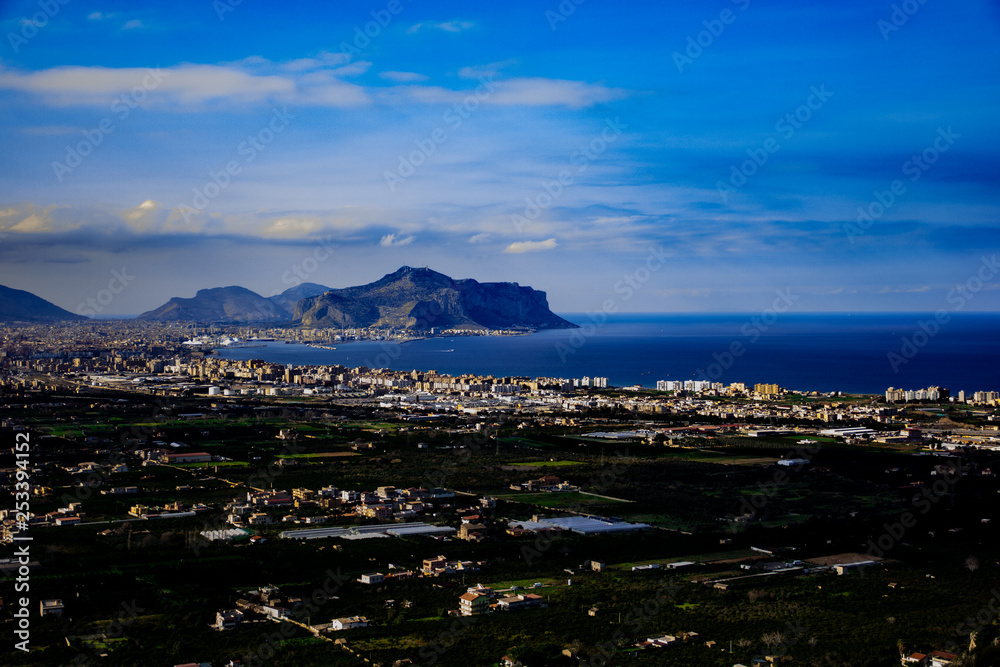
column 324, row 59
column 133, row 24
column 151, row 218
column 455, row 26
column 506, row 92
column 519, row 247
column 553, row 92
column 485, row 237
column 619, row 219
column 292, row 227
column 403, row 77
column 186, row 85
column 33, row 224
column 446, row 26
column 310, row 81
column 487, row 71
column 145, row 217
column 389, row 240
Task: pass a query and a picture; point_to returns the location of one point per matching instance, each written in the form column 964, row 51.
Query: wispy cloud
column 310, row 81
column 530, row 246
column 390, row 240
column 487, row 71
column 554, row 92
column 446, row 26
column 403, row 77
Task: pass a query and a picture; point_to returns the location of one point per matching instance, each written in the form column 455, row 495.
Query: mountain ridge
column 22, row 306
column 408, row 298
column 421, row 299
column 233, row 304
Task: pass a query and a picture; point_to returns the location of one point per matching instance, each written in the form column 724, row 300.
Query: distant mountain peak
column 408, row 298
column 21, row 306
column 234, row 304
column 421, row 298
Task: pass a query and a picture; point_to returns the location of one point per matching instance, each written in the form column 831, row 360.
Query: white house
column 349, row 623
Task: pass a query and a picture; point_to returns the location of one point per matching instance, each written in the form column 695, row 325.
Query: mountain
column 234, row 304
column 19, row 306
column 421, row 299
column 287, row 299
column 220, row 304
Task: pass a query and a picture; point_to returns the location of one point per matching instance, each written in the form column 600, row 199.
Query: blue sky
column 199, row 144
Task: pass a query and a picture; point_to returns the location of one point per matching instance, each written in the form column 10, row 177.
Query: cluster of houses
column 174, row 510
column 385, row 503
column 379, row 578
column 933, row 659
column 434, row 567
column 480, row 600
column 70, row 515
column 270, row 603
column 662, row 641
column 548, row 484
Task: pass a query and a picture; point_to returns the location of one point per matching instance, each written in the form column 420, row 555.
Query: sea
column 847, row 352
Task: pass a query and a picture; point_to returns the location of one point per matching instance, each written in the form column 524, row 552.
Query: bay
column 859, row 352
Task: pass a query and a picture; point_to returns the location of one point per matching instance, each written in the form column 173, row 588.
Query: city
column 418, row 507
column 550, row 333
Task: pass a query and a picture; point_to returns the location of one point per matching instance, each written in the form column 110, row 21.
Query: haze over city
column 196, row 145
